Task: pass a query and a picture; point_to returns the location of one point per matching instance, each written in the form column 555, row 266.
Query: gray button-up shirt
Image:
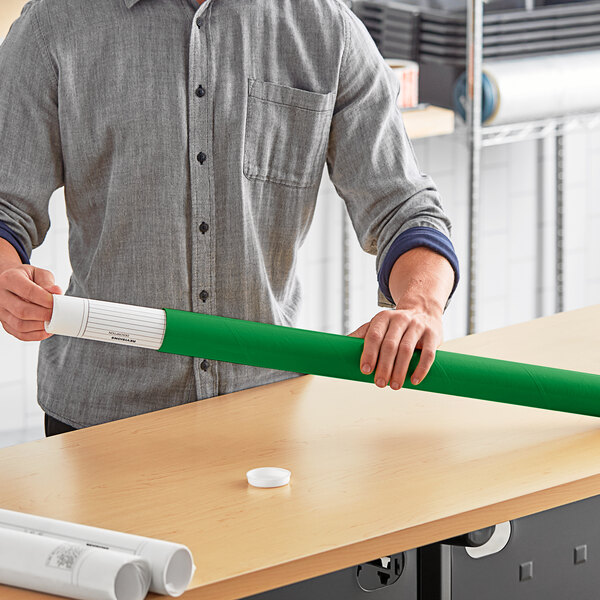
column 191, row 141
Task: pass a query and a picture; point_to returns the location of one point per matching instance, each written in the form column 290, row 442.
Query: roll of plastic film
column 489, row 97
column 528, row 89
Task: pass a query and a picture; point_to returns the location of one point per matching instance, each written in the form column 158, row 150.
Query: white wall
column 507, row 258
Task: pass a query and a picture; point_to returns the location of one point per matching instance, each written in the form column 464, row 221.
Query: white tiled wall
column 508, row 257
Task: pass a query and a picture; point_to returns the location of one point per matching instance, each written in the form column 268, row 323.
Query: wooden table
column 373, row 471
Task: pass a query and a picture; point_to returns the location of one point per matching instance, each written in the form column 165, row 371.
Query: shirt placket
column 202, row 223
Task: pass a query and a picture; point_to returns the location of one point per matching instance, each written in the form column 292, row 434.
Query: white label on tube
column 108, row 322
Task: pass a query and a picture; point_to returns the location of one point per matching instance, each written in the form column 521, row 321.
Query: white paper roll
column 70, row 569
column 171, row 564
column 107, row 322
column 544, row 86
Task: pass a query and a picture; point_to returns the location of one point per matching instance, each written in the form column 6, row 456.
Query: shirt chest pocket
column 286, row 134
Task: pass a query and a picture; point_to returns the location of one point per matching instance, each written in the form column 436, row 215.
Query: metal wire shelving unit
column 479, row 137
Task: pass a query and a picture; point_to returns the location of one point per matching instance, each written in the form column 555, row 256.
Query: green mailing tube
column 317, row 353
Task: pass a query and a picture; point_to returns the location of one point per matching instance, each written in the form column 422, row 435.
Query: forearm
column 421, row 279
column 9, row 257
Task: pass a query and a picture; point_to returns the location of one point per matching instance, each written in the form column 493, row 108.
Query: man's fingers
column 31, row 336
column 406, row 350
column 388, row 350
column 390, row 342
column 23, row 310
column 26, row 302
column 18, row 282
column 20, row 325
column 373, row 338
column 429, row 347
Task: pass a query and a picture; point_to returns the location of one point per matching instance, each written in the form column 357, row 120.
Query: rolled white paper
column 171, row 564
column 107, row 322
column 70, row 569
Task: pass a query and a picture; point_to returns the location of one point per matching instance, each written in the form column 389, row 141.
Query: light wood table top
column 373, row 471
column 428, row 122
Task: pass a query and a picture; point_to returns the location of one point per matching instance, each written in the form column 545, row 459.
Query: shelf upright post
column 346, row 271
column 540, row 260
column 474, row 136
column 559, row 227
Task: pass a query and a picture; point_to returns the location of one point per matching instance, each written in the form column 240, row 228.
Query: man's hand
column 25, row 296
column 390, row 341
column 420, row 283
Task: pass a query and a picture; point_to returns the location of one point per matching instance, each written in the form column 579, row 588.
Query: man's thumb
column 361, row 331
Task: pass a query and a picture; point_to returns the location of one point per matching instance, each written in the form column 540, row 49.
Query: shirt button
column 201, row 157
column 200, row 91
column 199, row 22
column 204, row 365
column 203, row 227
column 203, row 295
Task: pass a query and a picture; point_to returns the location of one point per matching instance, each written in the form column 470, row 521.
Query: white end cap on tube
column 103, row 321
column 68, row 316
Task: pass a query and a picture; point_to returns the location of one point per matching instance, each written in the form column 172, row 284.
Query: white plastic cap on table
column 268, row 477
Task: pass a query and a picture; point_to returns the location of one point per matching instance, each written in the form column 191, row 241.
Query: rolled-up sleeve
column 370, row 159
column 31, row 165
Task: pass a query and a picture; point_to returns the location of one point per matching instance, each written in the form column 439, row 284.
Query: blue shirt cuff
column 413, row 238
column 8, row 234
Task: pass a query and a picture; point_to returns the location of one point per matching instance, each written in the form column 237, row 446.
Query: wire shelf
column 535, row 130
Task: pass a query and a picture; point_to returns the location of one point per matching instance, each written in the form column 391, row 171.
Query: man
column 190, row 141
